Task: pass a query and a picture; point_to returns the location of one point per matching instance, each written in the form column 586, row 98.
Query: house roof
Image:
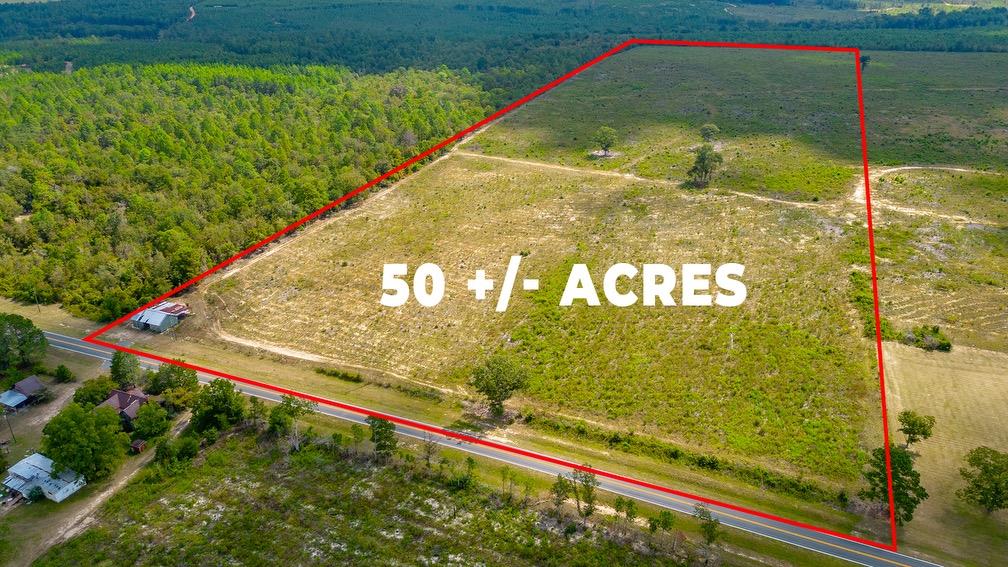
column 29, row 386
column 36, row 470
column 172, row 308
column 126, row 402
column 12, row 398
column 157, row 314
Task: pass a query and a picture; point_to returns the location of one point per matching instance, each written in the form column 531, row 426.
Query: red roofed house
column 126, row 403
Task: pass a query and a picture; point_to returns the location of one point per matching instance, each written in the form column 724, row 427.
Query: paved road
column 834, row 546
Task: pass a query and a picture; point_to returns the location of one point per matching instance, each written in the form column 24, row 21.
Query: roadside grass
column 51, row 317
column 967, row 392
column 788, row 122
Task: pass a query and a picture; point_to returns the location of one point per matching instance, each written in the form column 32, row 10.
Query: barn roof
column 151, row 317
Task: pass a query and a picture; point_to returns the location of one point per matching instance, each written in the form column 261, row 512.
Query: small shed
column 35, row 470
column 160, row 317
column 138, row 446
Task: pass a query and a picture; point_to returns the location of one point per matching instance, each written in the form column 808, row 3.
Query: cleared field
column 967, row 391
column 982, row 196
column 786, row 378
column 788, row 122
column 937, row 108
column 939, row 273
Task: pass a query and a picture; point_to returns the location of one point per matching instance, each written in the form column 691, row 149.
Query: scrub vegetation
column 347, row 510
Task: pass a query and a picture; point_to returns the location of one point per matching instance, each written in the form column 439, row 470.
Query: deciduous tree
column 560, row 492
column 915, row 427
column 605, row 138
column 151, row 421
column 986, row 476
column 497, row 380
column 94, row 391
column 907, row 490
column 709, row 525
column 125, row 369
column 585, row 487
column 382, row 436
column 218, row 405
column 170, row 376
column 706, row 162
column 22, row 344
column 89, row 442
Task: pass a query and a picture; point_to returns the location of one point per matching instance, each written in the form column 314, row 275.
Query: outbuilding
column 160, row 317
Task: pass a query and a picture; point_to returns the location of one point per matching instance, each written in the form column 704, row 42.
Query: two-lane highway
column 804, row 537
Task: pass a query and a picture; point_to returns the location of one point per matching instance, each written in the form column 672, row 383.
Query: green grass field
column 788, row 122
column 937, row 108
column 974, row 195
column 785, row 381
column 641, row 369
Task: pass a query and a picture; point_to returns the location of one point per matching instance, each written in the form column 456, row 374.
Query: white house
column 36, row 470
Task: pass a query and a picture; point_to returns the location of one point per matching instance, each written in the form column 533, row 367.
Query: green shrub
column 864, row 301
column 341, row 375
column 928, row 337
column 35, row 494
column 63, row 374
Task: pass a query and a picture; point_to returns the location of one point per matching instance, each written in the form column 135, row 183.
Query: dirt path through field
column 629, row 176
column 51, row 408
column 858, row 194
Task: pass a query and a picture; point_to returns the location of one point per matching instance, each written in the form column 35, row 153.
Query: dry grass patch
column 967, row 391
column 785, row 378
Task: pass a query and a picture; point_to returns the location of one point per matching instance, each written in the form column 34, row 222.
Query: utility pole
column 13, row 439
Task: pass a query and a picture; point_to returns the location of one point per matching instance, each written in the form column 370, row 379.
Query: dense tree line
column 510, row 47
column 119, row 182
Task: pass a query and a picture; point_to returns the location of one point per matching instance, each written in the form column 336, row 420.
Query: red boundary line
column 93, row 337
